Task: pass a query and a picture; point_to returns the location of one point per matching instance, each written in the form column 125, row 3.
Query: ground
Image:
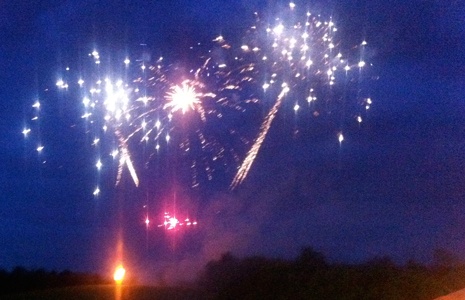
column 104, row 292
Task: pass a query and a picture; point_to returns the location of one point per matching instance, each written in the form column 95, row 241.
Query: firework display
column 199, row 113
column 170, row 222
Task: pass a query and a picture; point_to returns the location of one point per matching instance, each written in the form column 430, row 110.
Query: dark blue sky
column 395, row 187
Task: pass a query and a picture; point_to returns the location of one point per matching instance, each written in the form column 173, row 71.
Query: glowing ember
column 172, row 222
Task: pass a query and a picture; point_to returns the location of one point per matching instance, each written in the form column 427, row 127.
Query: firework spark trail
column 125, row 159
column 250, row 158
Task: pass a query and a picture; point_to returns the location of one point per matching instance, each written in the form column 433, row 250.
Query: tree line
column 21, row 279
column 310, row 276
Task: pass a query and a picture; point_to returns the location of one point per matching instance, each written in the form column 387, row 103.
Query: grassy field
column 107, row 292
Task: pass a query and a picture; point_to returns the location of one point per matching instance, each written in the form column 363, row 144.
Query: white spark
column 26, row 131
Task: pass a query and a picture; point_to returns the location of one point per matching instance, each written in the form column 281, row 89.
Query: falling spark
column 96, row 192
column 250, row 158
column 26, row 131
column 125, row 160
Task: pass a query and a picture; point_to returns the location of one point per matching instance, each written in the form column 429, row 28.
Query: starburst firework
column 203, row 114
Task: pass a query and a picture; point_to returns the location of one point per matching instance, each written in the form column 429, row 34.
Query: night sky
column 395, row 187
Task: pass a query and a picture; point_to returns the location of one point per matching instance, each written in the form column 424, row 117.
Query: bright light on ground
column 119, row 274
